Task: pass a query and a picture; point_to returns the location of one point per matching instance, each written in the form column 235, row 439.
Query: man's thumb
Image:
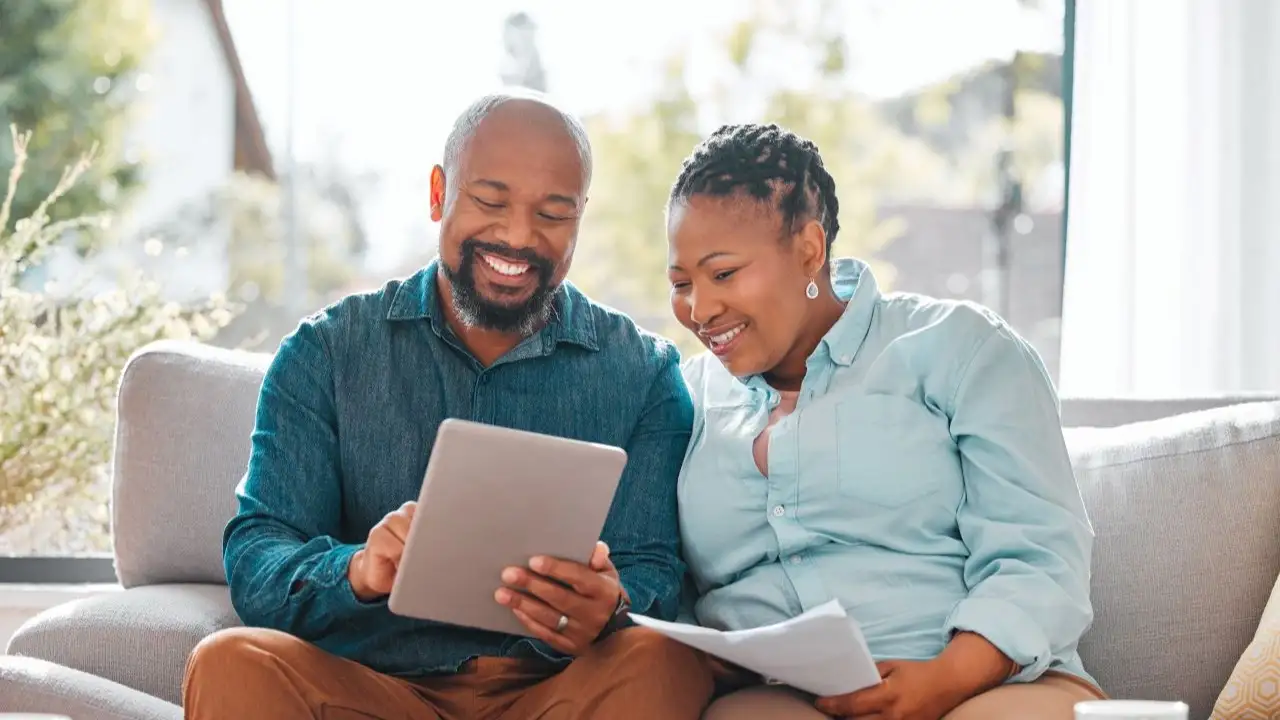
column 600, row 557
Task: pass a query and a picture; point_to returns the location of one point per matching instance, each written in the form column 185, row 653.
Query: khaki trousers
column 1052, row 697
column 248, row 673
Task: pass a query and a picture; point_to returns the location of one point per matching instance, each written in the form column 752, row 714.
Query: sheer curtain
column 1172, row 279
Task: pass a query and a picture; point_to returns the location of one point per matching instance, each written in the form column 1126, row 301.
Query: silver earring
column 811, row 290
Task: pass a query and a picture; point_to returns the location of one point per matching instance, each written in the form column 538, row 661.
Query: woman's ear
column 812, row 246
column 437, row 193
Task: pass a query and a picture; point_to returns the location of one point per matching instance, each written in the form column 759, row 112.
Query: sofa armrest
column 139, row 638
column 28, row 685
column 184, row 419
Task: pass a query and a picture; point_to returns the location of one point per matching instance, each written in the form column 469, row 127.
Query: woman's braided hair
column 768, row 163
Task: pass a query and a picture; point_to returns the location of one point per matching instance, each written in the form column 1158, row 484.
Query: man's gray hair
column 465, row 126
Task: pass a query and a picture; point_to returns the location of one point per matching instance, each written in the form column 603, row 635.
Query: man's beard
column 476, row 310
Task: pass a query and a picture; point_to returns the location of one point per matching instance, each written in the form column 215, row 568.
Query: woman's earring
column 811, row 290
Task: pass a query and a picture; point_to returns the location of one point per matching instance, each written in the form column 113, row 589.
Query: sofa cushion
column 1254, row 687
column 184, row 418
column 1184, row 511
column 139, row 638
column 37, row 686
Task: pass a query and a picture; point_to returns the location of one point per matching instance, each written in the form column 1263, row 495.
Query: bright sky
column 379, row 82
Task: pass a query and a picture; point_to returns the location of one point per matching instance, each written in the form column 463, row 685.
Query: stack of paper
column 820, row 652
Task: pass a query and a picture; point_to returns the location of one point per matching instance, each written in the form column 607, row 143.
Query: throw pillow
column 1253, row 691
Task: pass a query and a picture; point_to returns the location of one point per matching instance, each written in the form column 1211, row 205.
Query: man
column 346, row 419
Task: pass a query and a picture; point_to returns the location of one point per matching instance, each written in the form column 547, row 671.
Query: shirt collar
column 572, row 320
column 855, row 284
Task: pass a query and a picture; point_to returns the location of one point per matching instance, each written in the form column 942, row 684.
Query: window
column 942, row 123
column 1172, row 251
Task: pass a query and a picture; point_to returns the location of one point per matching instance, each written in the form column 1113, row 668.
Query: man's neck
column 486, row 345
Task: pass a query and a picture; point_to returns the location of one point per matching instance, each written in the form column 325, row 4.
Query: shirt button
column 796, row 559
column 779, row 511
column 845, row 358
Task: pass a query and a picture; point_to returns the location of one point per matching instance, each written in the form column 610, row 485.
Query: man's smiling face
column 512, row 207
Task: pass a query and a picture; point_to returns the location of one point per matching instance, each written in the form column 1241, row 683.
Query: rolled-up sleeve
column 1022, row 516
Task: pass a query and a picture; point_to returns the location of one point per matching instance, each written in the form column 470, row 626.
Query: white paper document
column 820, row 652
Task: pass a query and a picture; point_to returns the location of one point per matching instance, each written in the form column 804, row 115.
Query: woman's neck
column 789, row 374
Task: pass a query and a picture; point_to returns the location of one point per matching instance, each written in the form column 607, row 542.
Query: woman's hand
column 927, row 690
column 909, row 690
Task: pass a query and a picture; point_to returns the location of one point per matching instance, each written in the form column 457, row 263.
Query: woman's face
column 737, row 282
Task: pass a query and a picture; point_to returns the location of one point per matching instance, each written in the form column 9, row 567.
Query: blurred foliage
column 1035, row 135
column 638, row 154
column 69, row 73
column 248, row 208
column 61, row 354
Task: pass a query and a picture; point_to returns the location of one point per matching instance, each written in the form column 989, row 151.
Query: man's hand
column 586, row 596
column 918, row 690
column 373, row 568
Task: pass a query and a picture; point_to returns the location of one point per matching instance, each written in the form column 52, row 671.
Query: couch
column 1184, row 496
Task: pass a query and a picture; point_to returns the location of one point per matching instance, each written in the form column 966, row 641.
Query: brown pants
column 244, row 674
column 1052, row 697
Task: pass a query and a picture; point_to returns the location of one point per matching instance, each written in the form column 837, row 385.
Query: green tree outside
column 68, row 75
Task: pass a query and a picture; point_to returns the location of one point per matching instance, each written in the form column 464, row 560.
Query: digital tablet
column 493, row 498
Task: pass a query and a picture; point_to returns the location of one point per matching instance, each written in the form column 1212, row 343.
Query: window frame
column 1068, row 93
column 57, row 570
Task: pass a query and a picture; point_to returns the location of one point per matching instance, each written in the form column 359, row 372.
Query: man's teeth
column 726, row 336
column 504, row 267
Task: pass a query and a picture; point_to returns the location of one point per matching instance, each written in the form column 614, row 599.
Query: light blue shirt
column 922, row 480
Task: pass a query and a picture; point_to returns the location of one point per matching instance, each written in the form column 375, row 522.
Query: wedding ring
column 562, row 623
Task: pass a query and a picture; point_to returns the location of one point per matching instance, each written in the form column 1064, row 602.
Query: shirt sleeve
column 1022, row 516
column 642, row 530
column 285, row 567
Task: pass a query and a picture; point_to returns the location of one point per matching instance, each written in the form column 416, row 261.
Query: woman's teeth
column 726, row 336
column 506, row 268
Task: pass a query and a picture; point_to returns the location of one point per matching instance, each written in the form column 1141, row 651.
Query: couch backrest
column 1110, row 412
column 185, row 415
column 1185, row 513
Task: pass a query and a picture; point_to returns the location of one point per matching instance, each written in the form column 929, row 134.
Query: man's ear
column 437, row 193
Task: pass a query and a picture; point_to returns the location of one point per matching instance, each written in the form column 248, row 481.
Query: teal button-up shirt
column 346, row 422
column 922, row 480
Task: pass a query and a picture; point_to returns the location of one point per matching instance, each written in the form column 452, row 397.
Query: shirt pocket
column 730, row 437
column 890, row 450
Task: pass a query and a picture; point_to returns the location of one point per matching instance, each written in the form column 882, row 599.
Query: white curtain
column 1173, row 240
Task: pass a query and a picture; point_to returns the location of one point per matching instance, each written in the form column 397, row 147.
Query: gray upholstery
column 1102, row 412
column 39, row 686
column 1186, row 550
column 1183, row 509
column 139, row 637
column 185, row 415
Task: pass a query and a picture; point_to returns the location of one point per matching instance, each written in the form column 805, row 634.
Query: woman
column 899, row 453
